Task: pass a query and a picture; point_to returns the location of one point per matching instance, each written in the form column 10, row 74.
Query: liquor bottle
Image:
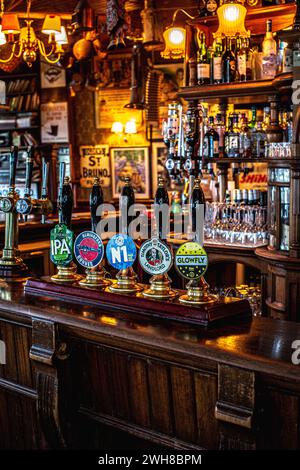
column 220, row 129
column 217, row 61
column 203, row 66
column 228, row 63
column 252, row 122
column 245, row 138
column 269, row 54
column 211, row 141
column 258, row 141
column 234, row 138
column 226, row 139
column 287, row 59
column 241, row 58
column 296, row 54
column 210, row 61
column 249, row 59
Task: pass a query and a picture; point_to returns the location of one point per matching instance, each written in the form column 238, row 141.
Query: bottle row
column 241, row 58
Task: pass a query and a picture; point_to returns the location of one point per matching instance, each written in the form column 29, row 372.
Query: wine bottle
column 203, row 66
column 269, row 54
column 241, row 57
column 217, row 61
column 228, row 63
column 211, row 141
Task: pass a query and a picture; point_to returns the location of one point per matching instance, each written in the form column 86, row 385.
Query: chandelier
column 24, row 42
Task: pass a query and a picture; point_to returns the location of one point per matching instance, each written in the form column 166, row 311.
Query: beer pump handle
column 28, row 171
column 96, row 200
column 127, row 199
column 196, row 200
column 13, row 167
column 45, row 175
column 161, row 201
column 66, row 203
column 62, row 172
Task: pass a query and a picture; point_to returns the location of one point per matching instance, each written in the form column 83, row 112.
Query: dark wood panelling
column 138, row 391
column 160, row 399
column 206, row 398
column 120, row 386
column 18, row 368
column 184, row 404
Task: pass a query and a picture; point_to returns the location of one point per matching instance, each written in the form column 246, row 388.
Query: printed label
column 121, row 251
column 88, row 249
column 155, row 257
column 61, row 245
column 191, row 260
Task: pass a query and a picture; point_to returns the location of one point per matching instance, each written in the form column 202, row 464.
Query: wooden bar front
column 82, row 377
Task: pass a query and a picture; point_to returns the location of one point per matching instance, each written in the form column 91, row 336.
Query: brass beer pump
column 67, row 274
column 12, row 267
column 197, row 289
column 160, row 283
column 126, row 279
column 95, row 277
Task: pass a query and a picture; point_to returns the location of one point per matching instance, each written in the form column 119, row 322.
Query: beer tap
column 95, row 277
column 161, row 262
column 28, row 205
column 126, row 278
column 195, row 255
column 12, row 267
column 62, row 237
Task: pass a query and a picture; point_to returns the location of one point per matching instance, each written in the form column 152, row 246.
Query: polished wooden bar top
column 259, row 344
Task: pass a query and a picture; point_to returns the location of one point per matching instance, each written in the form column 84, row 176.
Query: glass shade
column 117, row 128
column 2, row 37
column 61, row 38
column 52, row 24
column 130, row 127
column 174, row 38
column 10, row 24
column 231, row 16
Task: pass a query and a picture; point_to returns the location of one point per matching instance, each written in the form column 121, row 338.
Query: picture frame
column 133, row 162
column 159, row 157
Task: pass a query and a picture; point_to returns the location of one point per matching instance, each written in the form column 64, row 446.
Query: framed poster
column 110, row 107
column 52, row 76
column 133, row 162
column 159, row 157
column 54, row 120
column 94, row 162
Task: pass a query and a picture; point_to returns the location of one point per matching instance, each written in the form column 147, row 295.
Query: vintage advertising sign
column 88, row 249
column 191, row 260
column 61, row 245
column 155, row 257
column 54, row 120
column 121, row 251
column 94, row 162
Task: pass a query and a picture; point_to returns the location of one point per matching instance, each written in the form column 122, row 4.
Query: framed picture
column 133, row 162
column 54, row 120
column 159, row 157
column 52, row 76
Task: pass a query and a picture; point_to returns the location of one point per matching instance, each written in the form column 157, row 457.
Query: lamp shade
column 117, row 127
column 10, row 24
column 174, row 38
column 231, row 16
column 61, row 37
column 52, row 24
column 2, row 37
column 130, row 127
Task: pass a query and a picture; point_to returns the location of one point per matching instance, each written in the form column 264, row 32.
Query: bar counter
column 83, row 377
